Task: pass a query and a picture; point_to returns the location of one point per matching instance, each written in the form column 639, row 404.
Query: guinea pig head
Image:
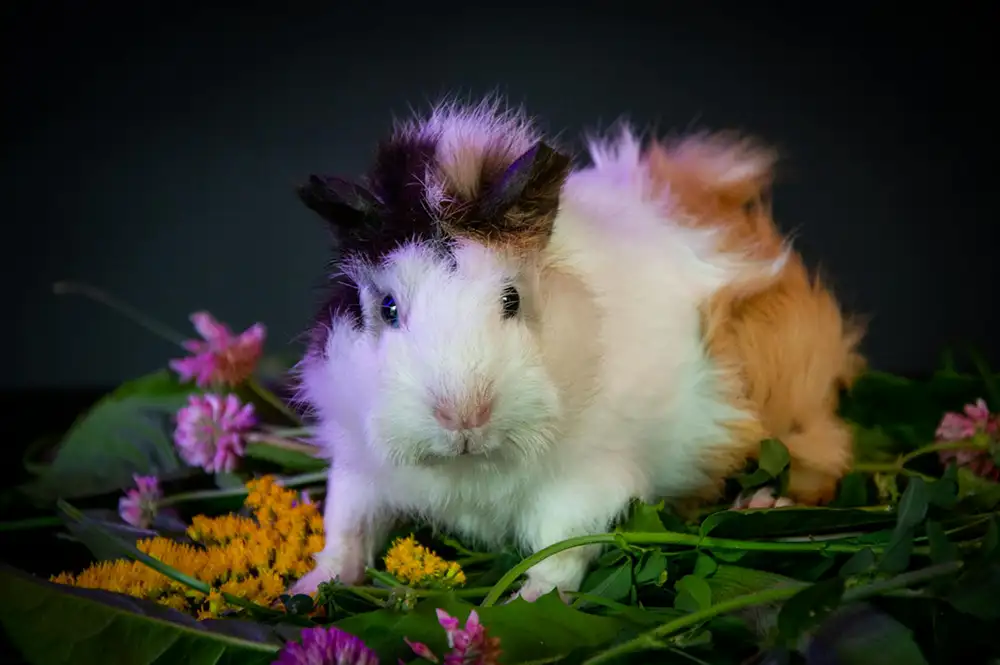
column 438, row 249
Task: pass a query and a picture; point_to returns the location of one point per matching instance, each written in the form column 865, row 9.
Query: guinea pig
column 511, row 349
column 788, row 339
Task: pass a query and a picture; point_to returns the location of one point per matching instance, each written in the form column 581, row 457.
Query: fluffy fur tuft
column 512, row 384
column 787, row 343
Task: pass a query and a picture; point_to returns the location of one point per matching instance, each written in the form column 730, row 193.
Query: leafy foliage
column 904, row 566
column 53, row 624
column 127, row 432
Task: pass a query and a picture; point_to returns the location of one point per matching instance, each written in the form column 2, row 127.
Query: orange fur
column 787, row 342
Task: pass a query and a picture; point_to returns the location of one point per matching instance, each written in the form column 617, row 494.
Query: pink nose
column 476, row 416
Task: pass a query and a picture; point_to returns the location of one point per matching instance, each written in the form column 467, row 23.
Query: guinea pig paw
column 325, row 572
column 532, row 590
column 309, row 583
column 762, row 498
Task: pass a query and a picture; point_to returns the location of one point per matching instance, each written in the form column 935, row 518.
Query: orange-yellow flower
column 413, row 564
column 255, row 557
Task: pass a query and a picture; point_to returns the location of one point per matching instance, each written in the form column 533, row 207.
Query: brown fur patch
column 788, row 345
column 516, row 210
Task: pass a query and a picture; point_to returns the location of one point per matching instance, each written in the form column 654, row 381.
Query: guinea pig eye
column 510, row 301
column 389, row 311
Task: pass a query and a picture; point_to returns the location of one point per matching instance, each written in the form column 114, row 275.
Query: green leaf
column 755, row 479
column 991, row 540
column 773, row 457
column 107, row 521
column 693, row 594
column 728, row 582
column 873, row 444
column 943, row 492
column 129, row 431
column 528, row 632
column 611, row 583
column 743, row 525
column 859, row 564
column 290, row 460
column 229, row 480
column 976, row 592
column 979, row 493
column 913, row 505
column 942, row 549
column 896, row 557
column 52, row 624
column 645, row 518
column 704, row 565
column 808, row 608
column 651, row 567
column 853, row 492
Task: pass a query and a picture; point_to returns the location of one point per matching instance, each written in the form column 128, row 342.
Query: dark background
column 151, row 149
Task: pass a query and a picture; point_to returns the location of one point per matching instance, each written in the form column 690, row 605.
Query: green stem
column 198, row 495
column 471, row 592
column 135, row 554
column 665, row 538
column 363, row 592
column 888, row 467
column 128, row 311
column 935, row 447
column 279, row 442
column 384, row 578
column 654, row 638
column 253, row 384
column 474, row 559
column 30, row 523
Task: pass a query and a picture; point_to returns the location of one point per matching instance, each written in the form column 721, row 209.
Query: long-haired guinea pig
column 511, row 349
column 788, row 341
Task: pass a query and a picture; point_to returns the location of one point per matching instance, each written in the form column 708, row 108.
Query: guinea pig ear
column 521, row 206
column 344, row 205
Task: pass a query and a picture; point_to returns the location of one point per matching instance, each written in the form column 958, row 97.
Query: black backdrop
column 151, row 148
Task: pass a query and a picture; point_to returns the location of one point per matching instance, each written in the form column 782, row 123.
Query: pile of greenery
column 903, row 567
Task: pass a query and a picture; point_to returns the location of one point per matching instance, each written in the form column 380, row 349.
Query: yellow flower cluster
column 413, row 564
column 250, row 557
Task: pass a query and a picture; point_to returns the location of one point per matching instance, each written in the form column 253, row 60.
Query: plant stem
column 654, row 638
column 888, row 467
column 291, row 481
column 128, row 311
column 935, row 447
column 473, row 559
column 384, row 578
column 135, row 554
column 471, row 592
column 279, row 442
column 363, row 592
column 253, row 384
column 665, row 538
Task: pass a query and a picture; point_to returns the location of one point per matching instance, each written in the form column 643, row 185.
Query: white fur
column 542, row 472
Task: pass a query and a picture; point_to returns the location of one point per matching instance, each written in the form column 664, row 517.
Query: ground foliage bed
column 904, row 567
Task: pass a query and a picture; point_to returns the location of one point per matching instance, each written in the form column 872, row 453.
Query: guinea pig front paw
column 309, row 583
column 327, row 570
column 762, row 498
column 533, row 589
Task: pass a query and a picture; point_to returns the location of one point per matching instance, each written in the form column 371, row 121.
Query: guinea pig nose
column 475, row 415
column 448, row 417
column 481, row 414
